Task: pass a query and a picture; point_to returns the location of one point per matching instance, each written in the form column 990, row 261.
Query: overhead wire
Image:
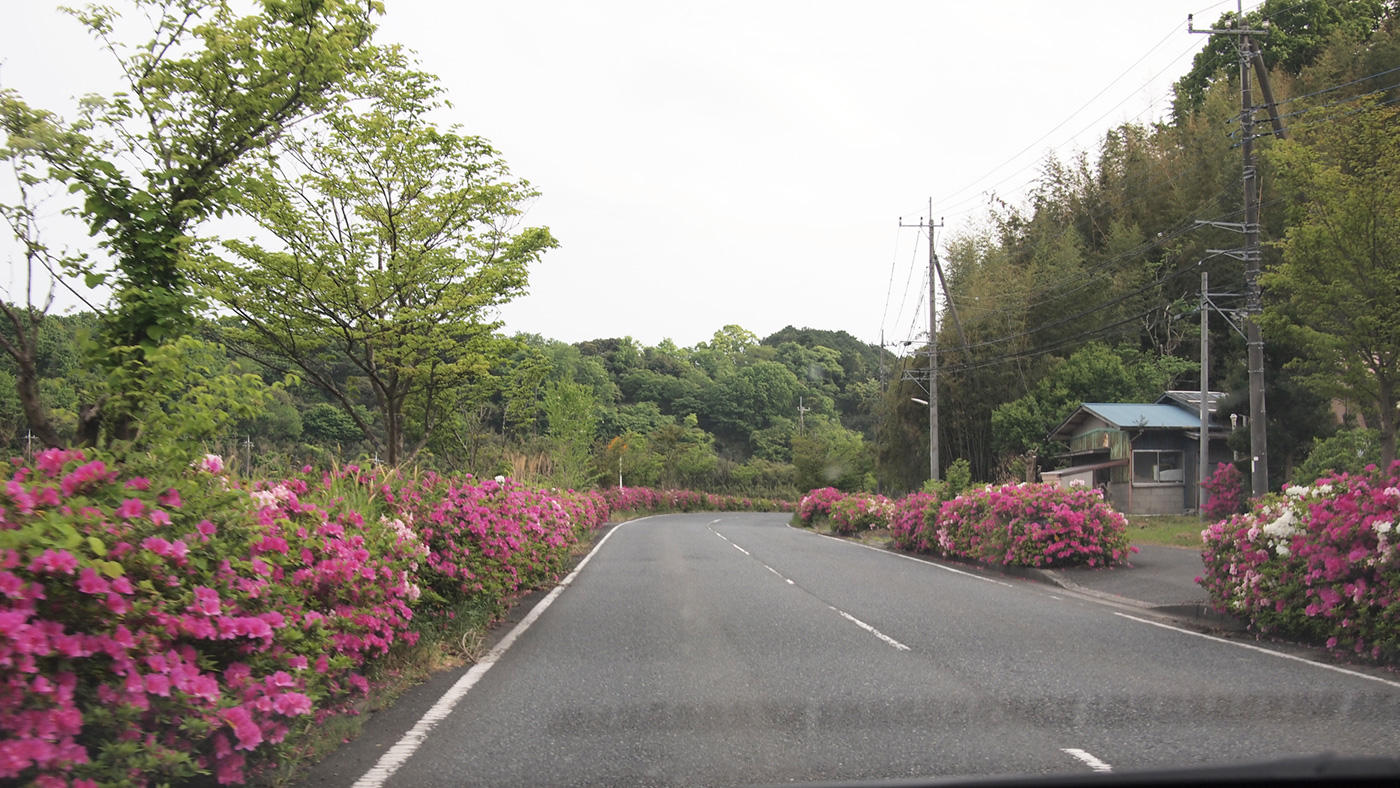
column 1059, row 125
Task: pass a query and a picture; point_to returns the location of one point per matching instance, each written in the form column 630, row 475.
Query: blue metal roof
column 1128, row 415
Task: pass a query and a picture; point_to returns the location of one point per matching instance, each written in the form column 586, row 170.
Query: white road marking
column 720, row 535
column 910, row 557
column 403, row 749
column 740, row 549
column 712, row 522
column 1052, row 596
column 1278, row 654
column 1089, row 760
column 872, row 630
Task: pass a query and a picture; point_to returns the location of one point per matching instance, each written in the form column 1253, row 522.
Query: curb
column 1199, row 614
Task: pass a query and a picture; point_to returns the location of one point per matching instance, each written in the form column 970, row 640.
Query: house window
column 1158, row 467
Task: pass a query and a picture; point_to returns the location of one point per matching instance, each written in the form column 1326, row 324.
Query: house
column 1142, row 454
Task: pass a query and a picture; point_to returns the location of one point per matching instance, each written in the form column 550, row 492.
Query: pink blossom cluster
column 860, row 512
column 646, row 499
column 1318, row 562
column 1226, row 489
column 908, row 523
column 817, row 504
column 1036, row 525
column 179, row 624
column 490, row 539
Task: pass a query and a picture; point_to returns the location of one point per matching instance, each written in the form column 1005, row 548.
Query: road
column 731, row 649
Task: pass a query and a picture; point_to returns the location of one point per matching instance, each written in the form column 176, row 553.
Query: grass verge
column 1172, row 530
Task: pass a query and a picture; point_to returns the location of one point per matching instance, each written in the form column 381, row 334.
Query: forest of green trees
column 371, row 337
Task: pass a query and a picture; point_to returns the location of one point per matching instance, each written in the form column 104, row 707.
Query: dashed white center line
column 872, row 630
column 1089, row 760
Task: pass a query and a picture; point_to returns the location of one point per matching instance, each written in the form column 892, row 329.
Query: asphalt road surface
column 730, row 649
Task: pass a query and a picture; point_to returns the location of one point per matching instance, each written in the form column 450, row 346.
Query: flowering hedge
column 909, row 524
column 1037, row 525
column 817, row 504
column 154, row 629
column 645, row 499
column 1316, row 562
column 860, row 512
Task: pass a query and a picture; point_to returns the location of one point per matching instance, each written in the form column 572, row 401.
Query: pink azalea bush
column 151, row 630
column 816, row 504
column 908, row 523
column 1226, row 488
column 1315, row 562
column 860, row 512
column 1035, row 525
column 155, row 629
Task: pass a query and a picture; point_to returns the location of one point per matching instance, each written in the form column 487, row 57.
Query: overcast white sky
column 746, row 162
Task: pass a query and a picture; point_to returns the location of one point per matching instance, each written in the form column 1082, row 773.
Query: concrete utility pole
column 801, row 417
column 1258, row 416
column 1203, row 453
column 934, row 270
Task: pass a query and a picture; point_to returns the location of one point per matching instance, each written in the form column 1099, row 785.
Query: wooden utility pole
column 1258, row 415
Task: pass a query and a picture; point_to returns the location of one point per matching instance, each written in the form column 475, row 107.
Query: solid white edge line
column 1089, row 760
column 902, row 555
column 872, row 630
column 397, row 755
column 1271, row 653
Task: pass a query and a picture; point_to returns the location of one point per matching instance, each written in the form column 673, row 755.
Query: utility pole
column 1203, row 453
column 934, row 270
column 801, row 417
column 1258, row 417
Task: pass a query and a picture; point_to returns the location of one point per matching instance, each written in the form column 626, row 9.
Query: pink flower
column 171, row 498
column 157, row 684
column 89, row 582
column 292, row 704
column 130, row 509
column 138, row 483
column 55, row 562
column 211, row 463
column 160, row 517
column 238, row 718
column 51, row 461
column 206, row 601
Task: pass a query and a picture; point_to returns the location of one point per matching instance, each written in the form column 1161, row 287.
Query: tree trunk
column 27, row 387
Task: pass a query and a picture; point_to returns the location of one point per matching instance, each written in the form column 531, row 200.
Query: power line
column 1058, row 126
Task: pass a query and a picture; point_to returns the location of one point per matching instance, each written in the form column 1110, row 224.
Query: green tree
column 1347, row 451
column 395, row 248
column 829, row 455
column 1299, row 31
column 326, row 422
column 569, row 410
column 1095, row 373
column 152, row 162
column 1337, row 292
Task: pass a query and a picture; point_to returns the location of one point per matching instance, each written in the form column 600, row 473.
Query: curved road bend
column 730, row 649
